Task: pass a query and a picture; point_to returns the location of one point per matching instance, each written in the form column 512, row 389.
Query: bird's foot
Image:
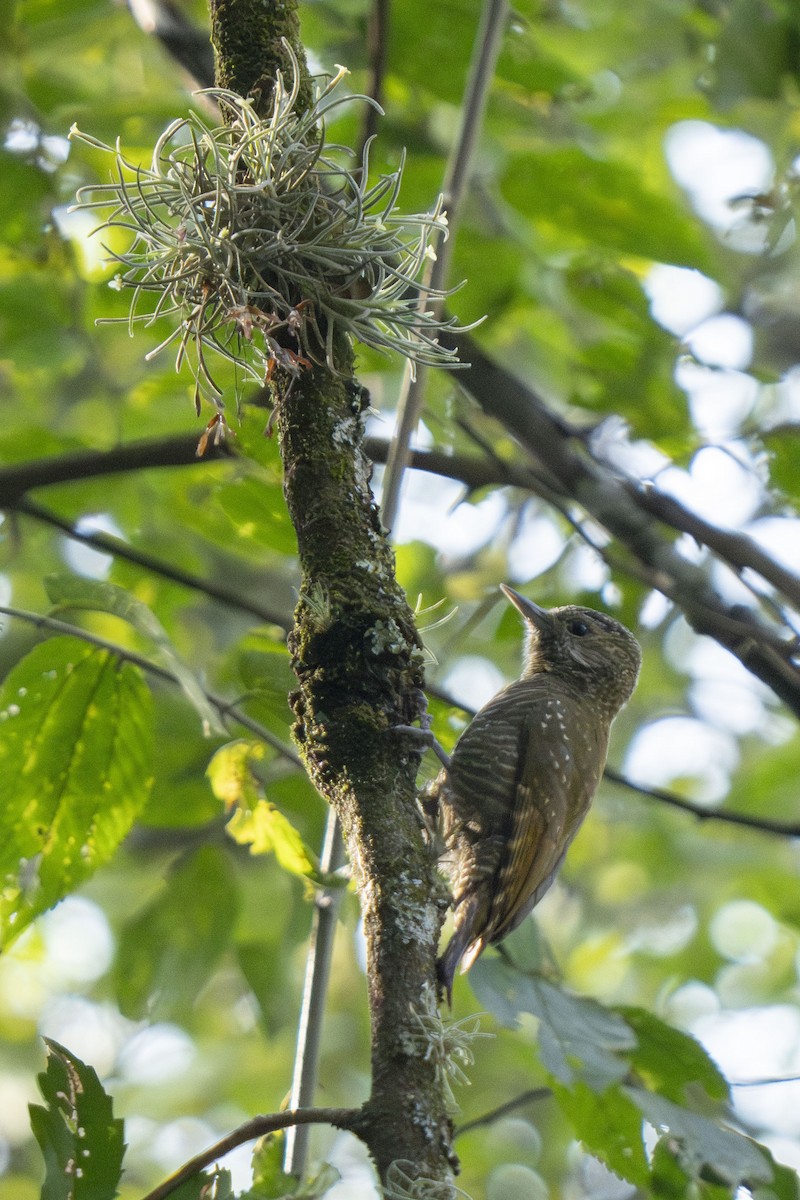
column 427, row 738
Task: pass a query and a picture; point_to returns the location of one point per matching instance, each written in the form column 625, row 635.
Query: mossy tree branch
column 356, row 655
column 248, row 40
column 358, row 662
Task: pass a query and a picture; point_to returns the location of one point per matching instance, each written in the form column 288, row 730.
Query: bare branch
column 315, row 994
column 737, row 549
column 467, row 469
column 356, row 655
column 622, row 507
column 120, row 549
column 740, row 552
column 177, row 451
column 494, row 14
column 181, row 451
column 495, row 1114
column 339, row 1118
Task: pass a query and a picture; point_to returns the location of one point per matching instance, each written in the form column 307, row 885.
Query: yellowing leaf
column 256, row 822
column 266, row 829
column 230, row 775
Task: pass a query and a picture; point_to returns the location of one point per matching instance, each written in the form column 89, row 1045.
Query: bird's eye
column 579, row 628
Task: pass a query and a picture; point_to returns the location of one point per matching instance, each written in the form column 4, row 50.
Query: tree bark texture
column 358, row 661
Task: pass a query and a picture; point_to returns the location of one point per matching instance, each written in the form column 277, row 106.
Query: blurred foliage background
column 629, row 235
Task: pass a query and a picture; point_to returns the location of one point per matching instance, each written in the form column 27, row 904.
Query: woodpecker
column 524, row 772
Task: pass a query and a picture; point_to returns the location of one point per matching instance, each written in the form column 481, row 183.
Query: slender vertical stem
column 315, row 990
column 378, row 42
column 412, row 391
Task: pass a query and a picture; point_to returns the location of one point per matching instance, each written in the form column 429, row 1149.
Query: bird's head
column 590, row 649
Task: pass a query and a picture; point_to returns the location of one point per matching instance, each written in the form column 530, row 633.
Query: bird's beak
column 539, row 617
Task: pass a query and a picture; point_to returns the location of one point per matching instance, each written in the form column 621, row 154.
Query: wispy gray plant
column 255, row 234
column 447, row 1044
column 402, row 1183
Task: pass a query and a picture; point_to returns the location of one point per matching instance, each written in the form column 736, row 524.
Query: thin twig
column 486, row 48
column 528, row 1097
column 378, row 47
column 224, row 707
column 339, row 1118
column 532, row 1095
column 762, row 824
column 315, row 991
column 108, row 544
column 179, row 450
column 766, row 1082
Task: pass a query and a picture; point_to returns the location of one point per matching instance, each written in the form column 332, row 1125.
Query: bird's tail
column 463, row 945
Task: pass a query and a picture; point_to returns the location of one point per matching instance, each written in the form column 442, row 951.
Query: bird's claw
column 426, row 738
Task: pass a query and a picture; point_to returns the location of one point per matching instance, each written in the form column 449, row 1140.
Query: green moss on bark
column 247, row 36
column 359, row 672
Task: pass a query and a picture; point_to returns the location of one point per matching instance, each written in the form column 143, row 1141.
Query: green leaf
column 270, row 1182
column 258, row 512
column 69, row 591
column 76, row 765
column 785, row 1183
column 756, row 51
column 265, row 829
column 669, row 1180
column 81, row 1141
column 269, row 1178
column 263, row 965
column 253, row 440
column 26, row 188
column 784, row 452
column 670, row 1061
column 602, row 203
column 256, row 822
column 578, row 1038
column 231, row 776
column 179, row 798
column 610, row 1127
column 167, row 952
column 704, row 1145
column 316, row 1182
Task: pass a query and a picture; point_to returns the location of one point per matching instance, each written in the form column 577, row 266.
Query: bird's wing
column 483, row 769
column 551, row 798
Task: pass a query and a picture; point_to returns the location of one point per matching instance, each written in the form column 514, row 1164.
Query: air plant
column 255, row 234
column 447, row 1044
column 402, row 1183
